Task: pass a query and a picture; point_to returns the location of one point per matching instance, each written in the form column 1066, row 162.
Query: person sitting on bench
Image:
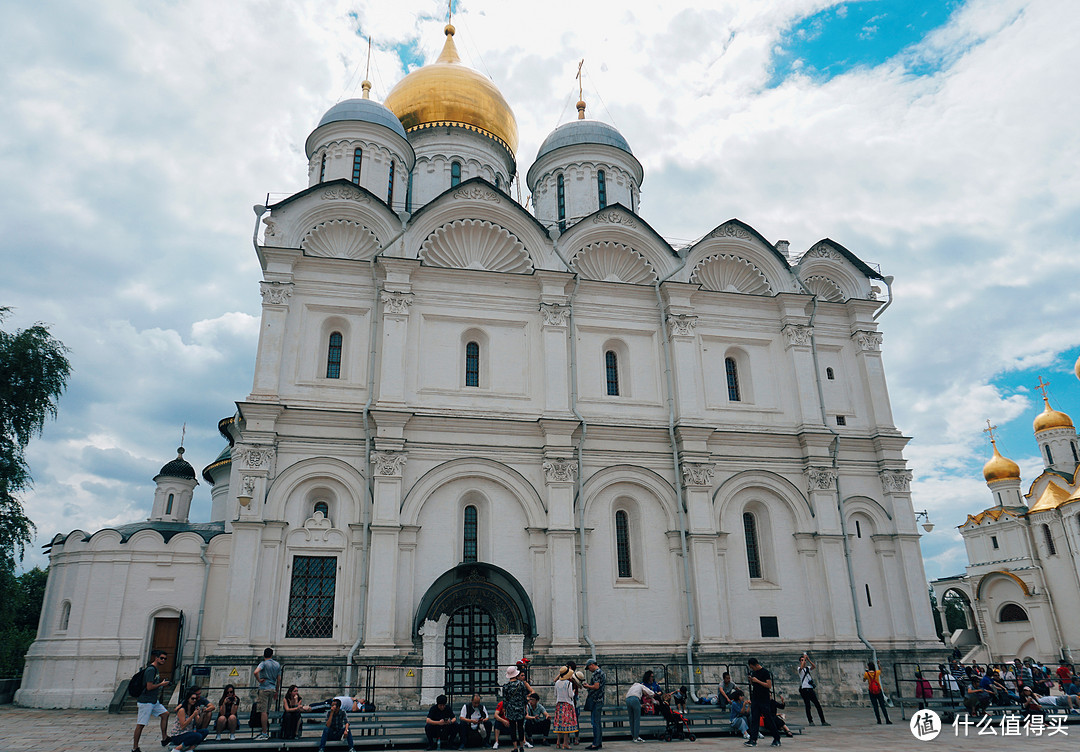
column 337, row 725
column 537, row 719
column 348, row 704
column 440, row 725
column 471, row 720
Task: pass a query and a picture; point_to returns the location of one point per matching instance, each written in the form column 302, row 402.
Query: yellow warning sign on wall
column 234, row 672
column 409, row 673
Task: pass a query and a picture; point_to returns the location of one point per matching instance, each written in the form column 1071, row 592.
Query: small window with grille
column 390, row 187
column 560, row 197
column 622, row 543
column 455, row 174
column 731, row 369
column 469, row 548
column 472, row 364
column 611, row 372
column 357, row 159
column 601, row 188
column 753, row 558
column 333, row 356
column 311, row 597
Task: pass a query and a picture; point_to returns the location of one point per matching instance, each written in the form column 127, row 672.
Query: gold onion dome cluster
column 447, row 92
column 1000, row 468
column 1050, row 418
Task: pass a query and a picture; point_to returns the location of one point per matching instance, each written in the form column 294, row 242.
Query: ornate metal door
column 471, row 653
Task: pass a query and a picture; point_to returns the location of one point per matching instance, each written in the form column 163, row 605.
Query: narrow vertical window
column 498, row 182
column 560, row 194
column 611, row 367
column 732, row 380
column 472, row 364
column 1049, row 456
column 333, row 357
column 994, row 541
column 390, row 187
column 408, row 195
column 869, row 601
column 322, row 169
column 357, row 157
column 622, row 543
column 468, row 549
column 601, row 188
column 1050, row 547
column 168, row 504
column 455, row 174
column 829, row 374
column 1076, row 457
column 753, row 560
column 65, row 616
column 632, row 199
column 311, row 597
column 858, row 529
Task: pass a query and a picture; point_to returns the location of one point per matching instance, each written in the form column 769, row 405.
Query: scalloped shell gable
column 476, row 244
column 825, row 288
column 614, row 262
column 340, row 238
column 724, row 272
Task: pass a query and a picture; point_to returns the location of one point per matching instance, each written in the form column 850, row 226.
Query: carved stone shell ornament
column 475, row 244
column 340, row 238
column 825, row 288
column 614, row 262
column 726, row 273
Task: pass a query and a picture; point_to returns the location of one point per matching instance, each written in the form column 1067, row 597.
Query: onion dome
column 1076, row 368
column 447, row 92
column 223, row 460
column 1050, row 418
column 178, row 468
column 583, row 132
column 1000, row 468
column 365, row 110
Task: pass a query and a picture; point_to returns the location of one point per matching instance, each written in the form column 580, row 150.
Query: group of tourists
column 1026, row 683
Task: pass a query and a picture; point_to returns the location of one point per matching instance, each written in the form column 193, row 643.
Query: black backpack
column 137, row 684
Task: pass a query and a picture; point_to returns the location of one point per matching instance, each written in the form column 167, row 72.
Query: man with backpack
column 145, row 686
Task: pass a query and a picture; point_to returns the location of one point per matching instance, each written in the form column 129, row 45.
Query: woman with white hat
column 516, row 692
column 565, row 714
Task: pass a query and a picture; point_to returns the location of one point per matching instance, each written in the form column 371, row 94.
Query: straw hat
column 564, row 672
column 512, row 672
column 580, row 676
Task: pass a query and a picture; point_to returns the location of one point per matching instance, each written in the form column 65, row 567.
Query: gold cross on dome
column 1041, row 386
column 580, row 90
column 990, row 430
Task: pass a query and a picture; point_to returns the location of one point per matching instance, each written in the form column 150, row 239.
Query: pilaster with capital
column 387, row 469
column 689, row 397
column 555, row 333
column 810, row 561
column 866, row 343
column 794, row 336
column 275, row 312
column 397, row 301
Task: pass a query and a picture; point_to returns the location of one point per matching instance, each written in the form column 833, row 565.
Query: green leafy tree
column 33, row 374
column 20, row 608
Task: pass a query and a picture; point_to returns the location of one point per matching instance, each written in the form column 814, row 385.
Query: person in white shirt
column 633, row 707
column 472, row 718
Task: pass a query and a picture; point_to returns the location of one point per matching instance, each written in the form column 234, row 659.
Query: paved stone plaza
column 24, row 729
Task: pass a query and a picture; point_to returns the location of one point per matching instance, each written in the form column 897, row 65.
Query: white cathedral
column 477, row 433
column 1020, row 592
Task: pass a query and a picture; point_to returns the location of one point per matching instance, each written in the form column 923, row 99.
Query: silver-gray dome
column 583, row 132
column 365, row 110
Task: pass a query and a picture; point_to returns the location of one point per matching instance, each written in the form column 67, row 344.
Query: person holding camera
column 808, row 689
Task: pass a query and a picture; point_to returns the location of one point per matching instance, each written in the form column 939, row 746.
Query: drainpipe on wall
column 679, row 502
column 202, row 600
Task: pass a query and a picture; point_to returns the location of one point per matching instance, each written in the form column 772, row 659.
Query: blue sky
column 937, row 140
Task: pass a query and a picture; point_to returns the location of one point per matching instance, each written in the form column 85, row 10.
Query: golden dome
column 1000, row 468
column 448, row 92
column 1050, row 418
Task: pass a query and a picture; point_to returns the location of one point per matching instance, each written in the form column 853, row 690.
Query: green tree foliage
column 33, row 374
column 20, row 608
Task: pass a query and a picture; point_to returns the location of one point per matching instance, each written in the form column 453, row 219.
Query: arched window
column 65, row 616
column 498, row 182
column 611, row 370
column 322, row 169
column 357, row 156
column 560, row 196
column 323, row 507
column 622, row 543
column 601, row 188
column 1012, row 612
column 168, row 504
column 858, row 529
column 1049, row 456
column 829, row 374
column 753, row 558
column 333, row 357
column 1050, row 547
column 455, row 174
column 472, row 364
column 390, row 187
column 468, row 549
column 732, row 380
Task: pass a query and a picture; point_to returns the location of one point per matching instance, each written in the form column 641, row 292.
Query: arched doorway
column 473, row 619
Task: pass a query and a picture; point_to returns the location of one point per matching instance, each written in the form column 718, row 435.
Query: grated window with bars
column 1050, row 547
column 601, row 188
column 753, row 559
column 471, row 645
column 390, row 187
column 611, row 368
column 468, row 549
column 472, row 364
column 732, row 380
column 560, row 195
column 322, row 507
column 333, row 357
column 357, row 158
column 622, row 543
column 311, row 597
column 455, row 174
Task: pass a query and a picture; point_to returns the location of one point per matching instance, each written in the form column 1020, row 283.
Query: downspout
column 834, row 450
column 365, row 516
column 580, row 490
column 666, row 339
column 202, row 600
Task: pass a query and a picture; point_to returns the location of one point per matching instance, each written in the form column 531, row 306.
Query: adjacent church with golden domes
column 477, row 432
column 1021, row 590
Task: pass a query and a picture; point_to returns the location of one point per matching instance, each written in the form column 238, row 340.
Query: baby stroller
column 677, row 727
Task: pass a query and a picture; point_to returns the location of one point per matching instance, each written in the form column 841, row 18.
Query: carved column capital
column 388, row 464
column 896, row 481
column 555, row 314
column 259, row 458
column 698, row 473
column 681, row 324
column 798, row 335
column 867, row 341
column 397, row 303
column 821, row 478
column 276, row 293
column 559, row 470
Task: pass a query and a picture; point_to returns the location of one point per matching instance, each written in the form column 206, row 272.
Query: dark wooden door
column 166, row 637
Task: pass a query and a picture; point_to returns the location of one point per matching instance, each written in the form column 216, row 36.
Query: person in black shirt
column 440, row 724
column 760, row 707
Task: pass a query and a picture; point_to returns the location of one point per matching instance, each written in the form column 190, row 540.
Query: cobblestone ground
column 24, row 729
